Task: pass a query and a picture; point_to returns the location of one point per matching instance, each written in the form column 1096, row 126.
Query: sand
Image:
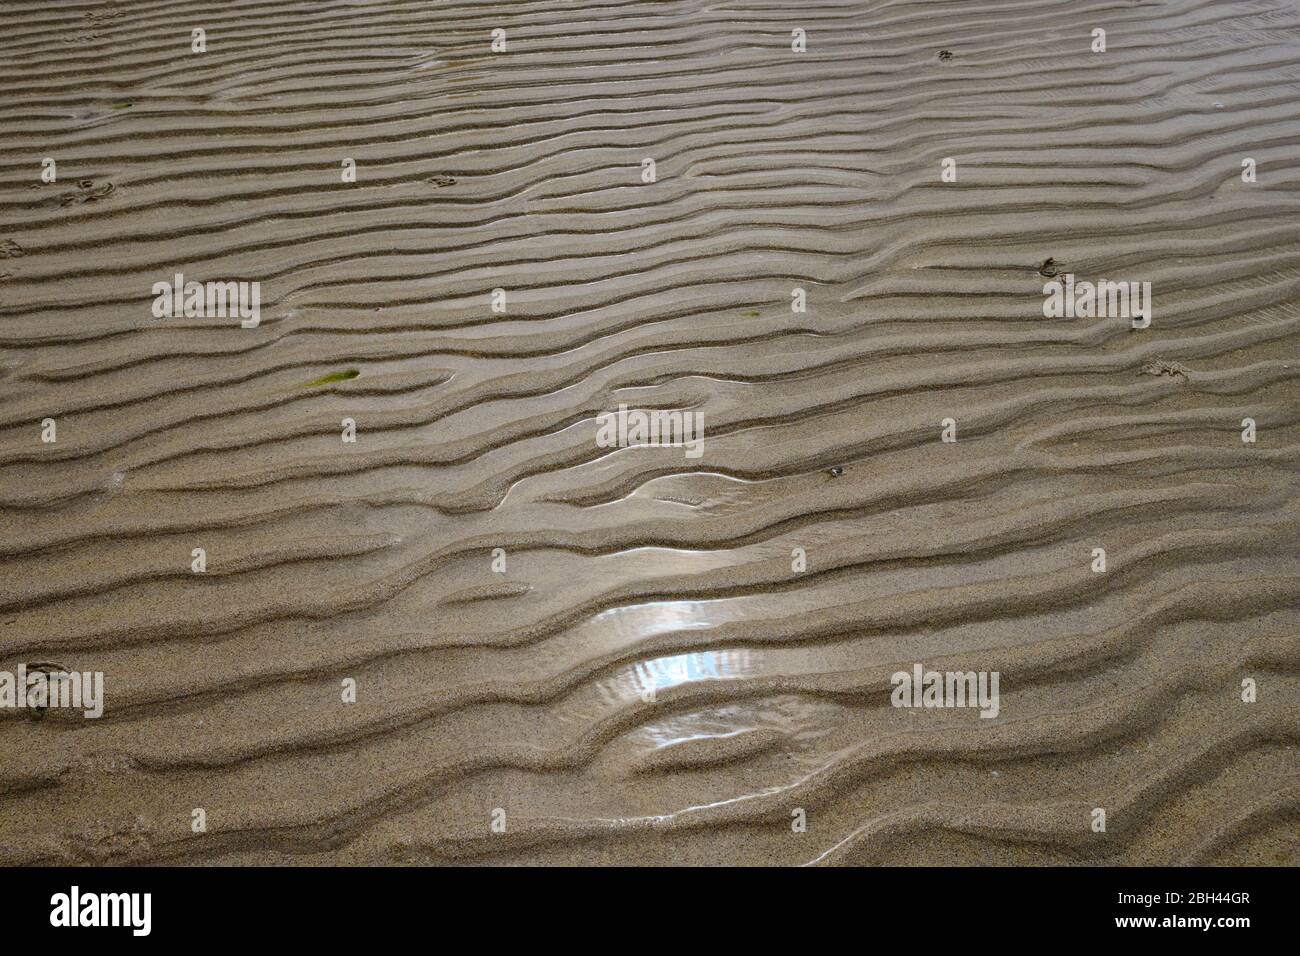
column 657, row 676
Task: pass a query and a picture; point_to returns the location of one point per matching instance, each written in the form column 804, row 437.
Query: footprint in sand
column 1174, row 370
column 86, row 191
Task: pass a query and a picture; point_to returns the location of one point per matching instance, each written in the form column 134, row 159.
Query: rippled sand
column 651, row 679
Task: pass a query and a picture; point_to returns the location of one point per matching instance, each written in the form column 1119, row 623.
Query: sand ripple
column 649, row 681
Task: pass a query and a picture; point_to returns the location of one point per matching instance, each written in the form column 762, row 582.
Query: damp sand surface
column 680, row 654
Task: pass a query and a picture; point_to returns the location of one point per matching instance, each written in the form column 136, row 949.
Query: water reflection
column 662, row 617
column 664, row 672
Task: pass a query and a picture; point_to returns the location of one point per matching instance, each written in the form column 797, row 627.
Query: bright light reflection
column 665, row 672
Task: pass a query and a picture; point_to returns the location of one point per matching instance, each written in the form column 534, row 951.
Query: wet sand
column 652, row 679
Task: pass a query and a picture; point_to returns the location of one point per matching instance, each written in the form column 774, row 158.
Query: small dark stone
column 945, row 54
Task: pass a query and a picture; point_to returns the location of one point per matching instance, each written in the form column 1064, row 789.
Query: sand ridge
column 628, row 655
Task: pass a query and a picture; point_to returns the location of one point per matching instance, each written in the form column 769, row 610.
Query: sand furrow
column 368, row 583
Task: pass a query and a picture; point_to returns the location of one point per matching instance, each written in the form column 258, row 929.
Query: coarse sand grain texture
column 364, row 533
